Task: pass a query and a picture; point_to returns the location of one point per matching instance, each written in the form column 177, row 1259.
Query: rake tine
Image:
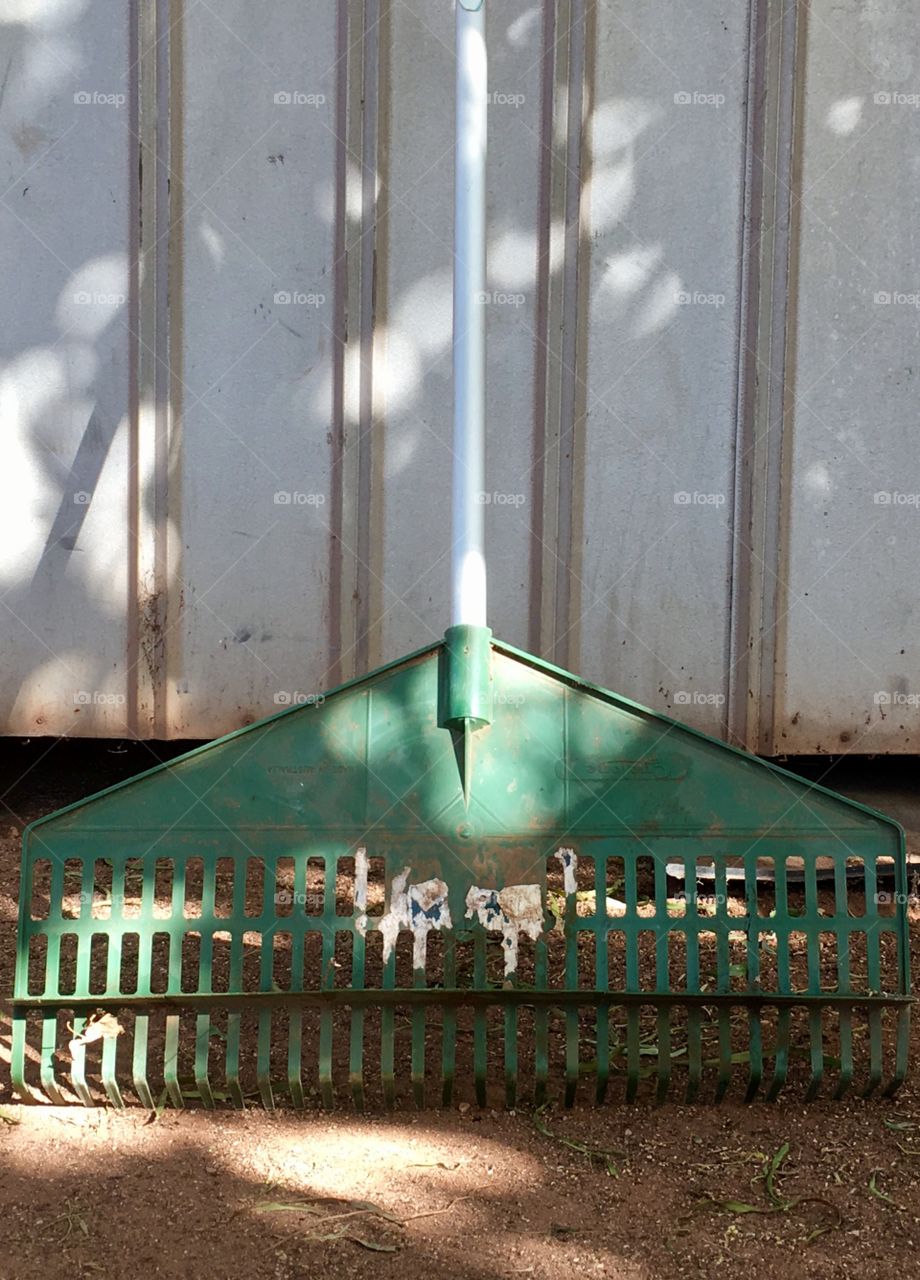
column 781, row 1062
column 356, row 1051
column 874, row 975
column 18, row 1055
column 171, row 1061
column 356, row 1061
column 541, row 1026
column 355, row 1064
column 266, row 983
column 234, row 1087
column 113, row 969
column 845, row 1077
column 631, row 940
column 755, row 1041
column 875, row 1052
column 602, row 978
column 694, row 1053
column 816, row 1040
column 571, row 1056
column 662, row 979
column 109, row 1074
column 205, row 980
column 78, row 1066
column 633, row 1060
column 725, row 1053
column 664, row 1055
column 295, row 1052
column 388, row 1035
column 603, row 1052
column 46, row 1071
column 449, row 1025
column 325, row 1018
column 722, row 924
column 418, row 1046
column 234, row 1024
column 480, row 1043
column 815, row 1025
column 139, row 1063
column 901, row 1052
column 174, row 963
column 571, row 1012
column 692, row 924
column 755, row 1032
column 511, row 1056
column 296, row 1015
column 263, row 1060
column 202, row 1052
column 843, row 978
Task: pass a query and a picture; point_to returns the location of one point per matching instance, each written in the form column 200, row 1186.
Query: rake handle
column 468, row 567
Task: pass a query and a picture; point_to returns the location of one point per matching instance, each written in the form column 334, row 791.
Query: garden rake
column 468, row 873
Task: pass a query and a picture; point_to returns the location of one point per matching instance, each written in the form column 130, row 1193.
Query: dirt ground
column 624, row 1192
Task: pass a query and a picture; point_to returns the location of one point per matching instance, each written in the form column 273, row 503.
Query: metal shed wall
column 225, row 386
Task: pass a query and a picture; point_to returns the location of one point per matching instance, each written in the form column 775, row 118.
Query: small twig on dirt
column 6, row 1118
column 73, row 1220
column 770, row 1171
column 777, row 1203
column 356, row 1209
column 597, row 1155
column 435, row 1213
column 875, row 1190
column 708, row 1200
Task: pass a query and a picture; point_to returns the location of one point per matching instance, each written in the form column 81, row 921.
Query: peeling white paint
column 417, row 907
column 516, row 909
column 569, row 860
column 104, row 1027
column 361, row 872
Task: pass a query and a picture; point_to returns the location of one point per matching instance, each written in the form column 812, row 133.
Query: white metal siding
column 227, row 283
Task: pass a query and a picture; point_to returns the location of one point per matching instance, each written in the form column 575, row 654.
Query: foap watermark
column 894, row 98
column 895, row 698
column 298, row 98
column 685, row 499
column 496, row 499
column 500, row 298
column 295, row 298
column 499, row 99
column 897, row 898
column 81, row 498
column 98, row 698
column 686, row 98
column 895, row 298
column 294, row 698
column 287, row 899
column 509, row 700
column 699, row 299
column 93, row 98
column 695, row 698
column 87, row 299
column 710, row 901
column 287, row 498
column 893, row 498
column 104, row 903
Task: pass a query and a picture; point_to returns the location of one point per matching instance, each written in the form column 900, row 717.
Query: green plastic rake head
column 468, row 868
column 367, row 894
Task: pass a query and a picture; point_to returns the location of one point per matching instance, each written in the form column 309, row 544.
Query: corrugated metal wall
column 226, row 387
